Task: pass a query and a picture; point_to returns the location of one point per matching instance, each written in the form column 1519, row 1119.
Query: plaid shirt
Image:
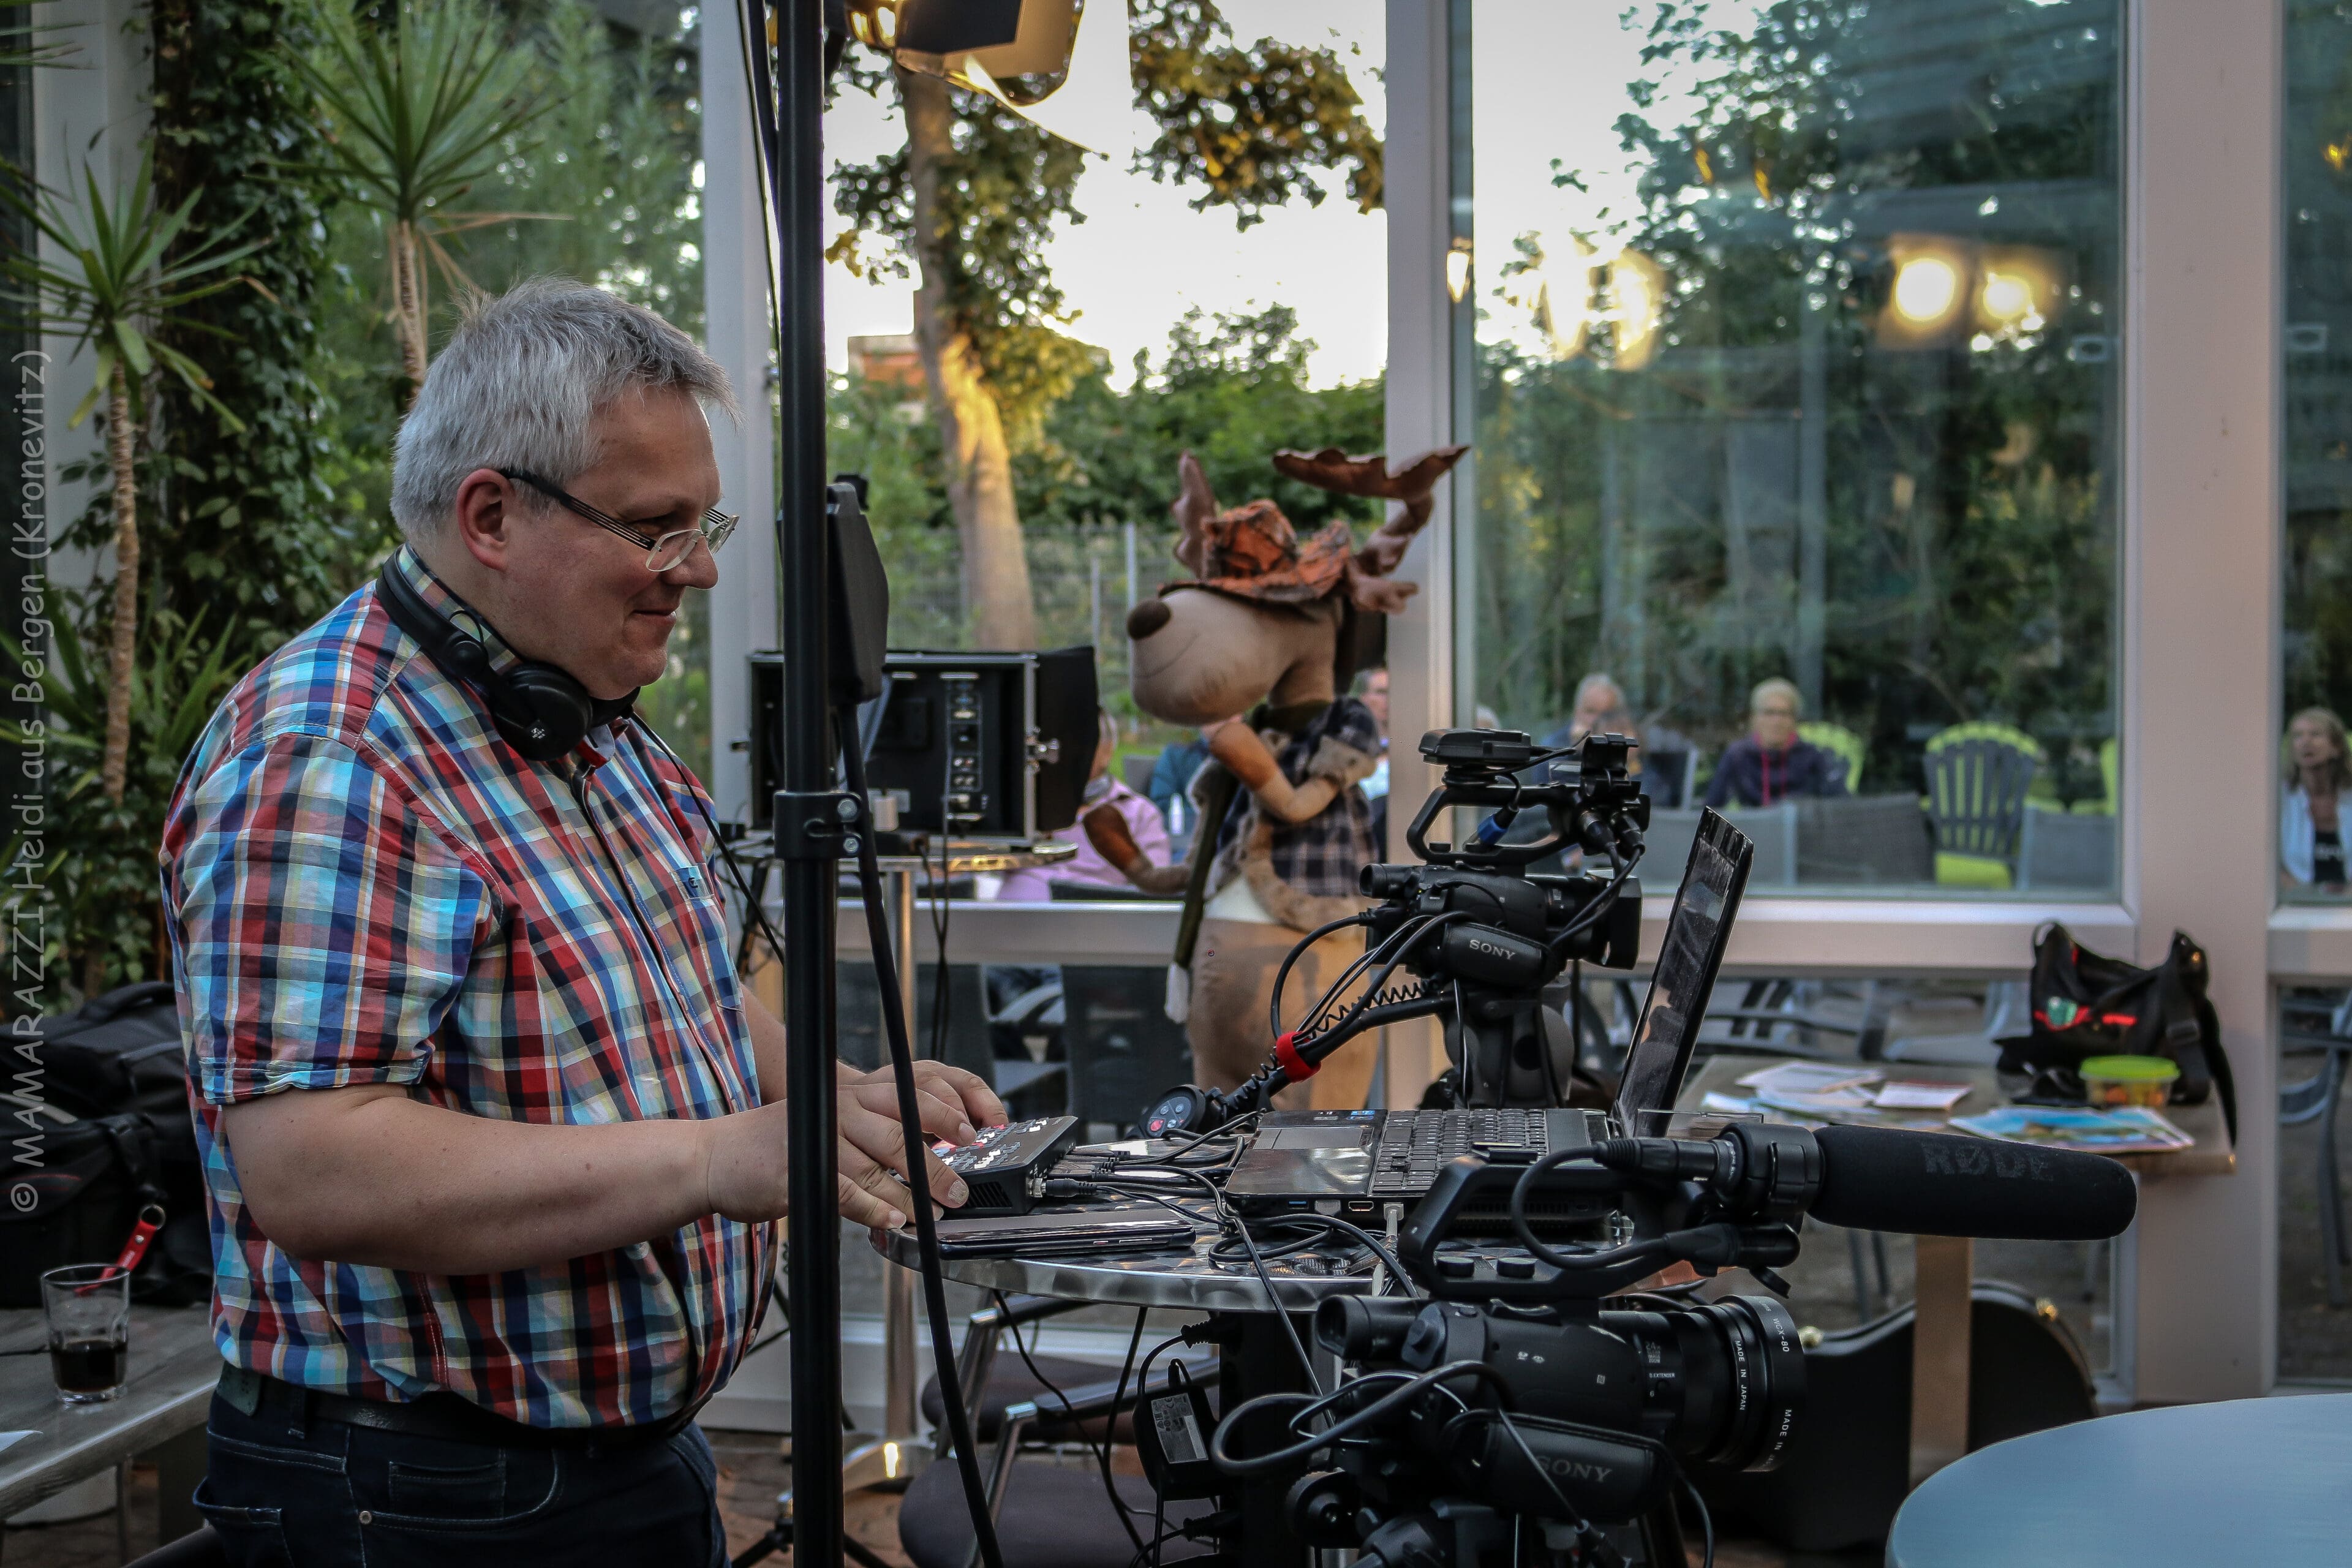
column 363, row 883
column 1323, row 855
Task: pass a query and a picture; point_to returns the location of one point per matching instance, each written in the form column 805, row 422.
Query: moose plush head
column 1260, row 619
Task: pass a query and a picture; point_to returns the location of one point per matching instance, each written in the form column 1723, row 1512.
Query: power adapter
column 1171, row 1437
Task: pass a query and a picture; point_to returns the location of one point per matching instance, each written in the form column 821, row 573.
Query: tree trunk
column 408, row 307
column 123, row 646
column 972, row 431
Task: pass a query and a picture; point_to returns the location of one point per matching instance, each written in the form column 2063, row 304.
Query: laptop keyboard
column 1413, row 1145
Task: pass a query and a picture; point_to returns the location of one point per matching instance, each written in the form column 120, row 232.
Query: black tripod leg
column 1662, row 1538
column 780, row 1538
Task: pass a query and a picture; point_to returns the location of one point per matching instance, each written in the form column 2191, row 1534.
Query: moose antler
column 1410, row 485
column 1195, row 508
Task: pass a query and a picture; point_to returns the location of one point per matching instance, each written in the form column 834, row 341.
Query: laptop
column 1353, row 1163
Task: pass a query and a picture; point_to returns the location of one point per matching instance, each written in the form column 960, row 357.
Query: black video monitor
column 1698, row 930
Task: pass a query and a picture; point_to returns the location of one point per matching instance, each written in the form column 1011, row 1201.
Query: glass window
column 2315, row 641
column 1789, row 368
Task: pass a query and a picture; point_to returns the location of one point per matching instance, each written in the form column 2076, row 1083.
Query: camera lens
column 1726, row 1379
column 1758, row 1378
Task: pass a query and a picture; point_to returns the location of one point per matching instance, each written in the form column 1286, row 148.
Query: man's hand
column 962, row 1095
column 749, row 1176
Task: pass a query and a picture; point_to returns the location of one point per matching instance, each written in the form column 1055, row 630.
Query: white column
column 1420, row 383
column 2198, row 679
column 89, row 113
column 743, row 339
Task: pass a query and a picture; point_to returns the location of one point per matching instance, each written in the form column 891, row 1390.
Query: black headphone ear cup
column 541, row 711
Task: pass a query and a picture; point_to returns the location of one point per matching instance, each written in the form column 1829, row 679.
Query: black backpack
column 99, row 1127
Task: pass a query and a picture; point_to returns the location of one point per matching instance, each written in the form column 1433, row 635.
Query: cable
column 1322, row 1222
column 1297, row 950
column 1705, row 1521
column 1281, row 1458
column 1110, row 1428
column 910, row 1126
column 1227, row 1217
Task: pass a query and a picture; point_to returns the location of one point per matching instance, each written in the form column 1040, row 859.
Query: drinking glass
column 88, row 1306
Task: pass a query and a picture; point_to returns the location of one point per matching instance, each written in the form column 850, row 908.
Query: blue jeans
column 335, row 1496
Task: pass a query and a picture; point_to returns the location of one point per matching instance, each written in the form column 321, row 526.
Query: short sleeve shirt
column 363, row 883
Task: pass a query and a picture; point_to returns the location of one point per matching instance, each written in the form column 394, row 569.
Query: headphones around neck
column 541, row 709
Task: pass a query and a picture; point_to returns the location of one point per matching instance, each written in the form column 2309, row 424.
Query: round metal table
column 1186, row 1281
column 2256, row 1481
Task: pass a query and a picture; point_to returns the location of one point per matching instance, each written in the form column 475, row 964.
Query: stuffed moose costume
column 1262, row 629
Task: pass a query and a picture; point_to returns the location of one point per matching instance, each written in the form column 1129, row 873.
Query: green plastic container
column 2129, row 1080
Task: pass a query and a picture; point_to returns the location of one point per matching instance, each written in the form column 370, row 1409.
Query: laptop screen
column 1697, row 933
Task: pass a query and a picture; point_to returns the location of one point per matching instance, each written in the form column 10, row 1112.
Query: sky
column 1143, row 257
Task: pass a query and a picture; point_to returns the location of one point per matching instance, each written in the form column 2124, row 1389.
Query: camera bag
column 98, row 1127
column 2087, row 1005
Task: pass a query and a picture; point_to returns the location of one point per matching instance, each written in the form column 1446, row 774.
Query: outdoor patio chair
column 1877, row 840
column 2326, row 1031
column 1842, row 743
column 1047, row 1515
column 1978, row 776
column 2065, row 849
column 1774, row 829
column 1121, row 1049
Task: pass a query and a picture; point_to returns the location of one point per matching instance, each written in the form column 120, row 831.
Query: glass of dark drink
column 88, row 1306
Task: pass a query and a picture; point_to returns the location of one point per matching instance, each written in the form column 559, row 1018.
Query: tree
column 124, row 278
column 970, row 202
column 1656, row 520
column 414, row 123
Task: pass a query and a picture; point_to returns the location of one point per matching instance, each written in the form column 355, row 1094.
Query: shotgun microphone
column 1942, row 1184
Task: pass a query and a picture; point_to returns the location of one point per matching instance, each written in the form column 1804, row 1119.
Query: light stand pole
column 796, row 189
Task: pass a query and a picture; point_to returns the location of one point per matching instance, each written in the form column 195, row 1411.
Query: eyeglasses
column 664, row 552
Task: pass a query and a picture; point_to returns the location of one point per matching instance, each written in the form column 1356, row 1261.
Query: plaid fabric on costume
column 1322, row 856
column 363, row 883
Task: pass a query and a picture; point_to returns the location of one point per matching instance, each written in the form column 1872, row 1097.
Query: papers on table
column 10, row 1439
column 2127, row 1130
column 1830, row 1091
column 1919, row 1096
column 1807, row 1078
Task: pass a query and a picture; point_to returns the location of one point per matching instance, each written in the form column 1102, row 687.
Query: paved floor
column 750, row 1471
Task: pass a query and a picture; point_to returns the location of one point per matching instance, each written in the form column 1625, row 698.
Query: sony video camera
column 1509, row 1419
column 1478, row 935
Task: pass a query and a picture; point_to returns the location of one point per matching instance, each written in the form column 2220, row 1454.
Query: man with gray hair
column 493, row 1139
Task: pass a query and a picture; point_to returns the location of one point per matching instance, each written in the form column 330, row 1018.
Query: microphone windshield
column 1945, row 1183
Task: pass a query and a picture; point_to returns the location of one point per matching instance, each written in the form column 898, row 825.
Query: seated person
column 1035, row 884
column 1600, row 706
column 2316, row 779
column 1770, row 762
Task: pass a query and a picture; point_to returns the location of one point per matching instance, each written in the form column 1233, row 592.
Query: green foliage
column 1232, row 389
column 419, row 108
column 94, row 862
column 1651, row 522
column 123, row 276
column 1249, row 124
column 611, row 161
column 251, row 528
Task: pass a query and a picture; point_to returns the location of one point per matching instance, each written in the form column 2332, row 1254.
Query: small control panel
column 998, row 1164
column 965, row 801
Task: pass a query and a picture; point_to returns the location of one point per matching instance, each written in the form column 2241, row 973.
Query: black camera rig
column 1479, row 934
column 1508, row 1418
